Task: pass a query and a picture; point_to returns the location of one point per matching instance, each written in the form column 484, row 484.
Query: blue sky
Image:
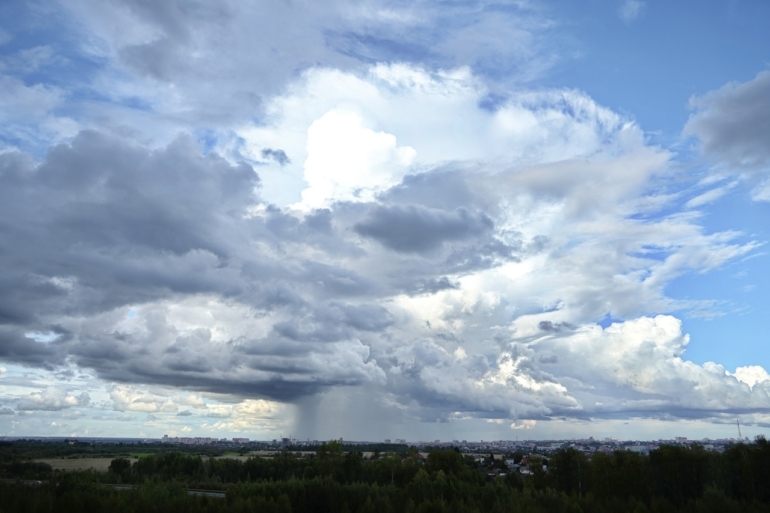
column 470, row 220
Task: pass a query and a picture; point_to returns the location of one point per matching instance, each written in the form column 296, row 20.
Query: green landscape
column 336, row 478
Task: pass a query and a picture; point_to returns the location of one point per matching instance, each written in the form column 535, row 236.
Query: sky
column 380, row 219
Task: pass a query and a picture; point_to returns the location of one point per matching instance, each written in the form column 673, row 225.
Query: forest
column 670, row 479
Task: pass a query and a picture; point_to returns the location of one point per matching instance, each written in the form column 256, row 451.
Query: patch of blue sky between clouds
column 733, row 331
column 649, row 67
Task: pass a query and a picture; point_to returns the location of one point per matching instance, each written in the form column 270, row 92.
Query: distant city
column 585, row 445
column 588, row 446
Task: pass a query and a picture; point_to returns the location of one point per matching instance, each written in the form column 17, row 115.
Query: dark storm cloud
column 15, row 346
column 416, row 229
column 733, row 123
column 100, row 225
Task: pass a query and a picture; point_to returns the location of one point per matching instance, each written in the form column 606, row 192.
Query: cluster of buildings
column 588, row 446
column 198, row 440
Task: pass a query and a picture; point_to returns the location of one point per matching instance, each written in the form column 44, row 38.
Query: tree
column 569, row 469
column 448, row 460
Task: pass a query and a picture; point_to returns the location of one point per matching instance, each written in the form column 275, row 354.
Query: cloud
column 631, row 9
column 762, row 191
column 184, row 413
column 524, row 424
column 278, row 156
column 346, row 160
column 733, row 123
column 710, row 195
column 398, row 119
column 254, row 415
column 417, row 229
column 130, row 398
column 236, row 49
column 459, row 282
column 751, row 375
column 52, row 399
column 6, row 411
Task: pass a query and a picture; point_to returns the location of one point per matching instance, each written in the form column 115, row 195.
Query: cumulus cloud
column 752, row 375
column 52, row 399
column 452, row 276
column 251, row 415
column 353, row 135
column 130, row 398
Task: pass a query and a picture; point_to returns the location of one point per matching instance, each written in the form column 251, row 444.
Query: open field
column 100, row 464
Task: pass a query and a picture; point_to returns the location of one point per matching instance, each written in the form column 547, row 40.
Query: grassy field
column 100, row 464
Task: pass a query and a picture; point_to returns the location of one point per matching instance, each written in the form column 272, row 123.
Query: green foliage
column 448, row 461
column 671, row 479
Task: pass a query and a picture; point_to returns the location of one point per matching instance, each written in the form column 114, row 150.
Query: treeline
column 671, row 479
column 678, row 474
column 34, row 449
column 330, row 461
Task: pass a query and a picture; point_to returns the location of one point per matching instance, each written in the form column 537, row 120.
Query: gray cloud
column 184, row 413
column 418, row 229
column 224, row 56
column 733, row 123
column 555, row 327
column 431, row 286
column 6, row 411
column 277, row 155
column 101, row 225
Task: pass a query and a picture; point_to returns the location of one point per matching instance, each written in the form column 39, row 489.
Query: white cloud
column 52, row 399
column 524, row 424
column 761, row 192
column 710, row 195
column 347, row 161
column 631, row 9
column 255, row 415
column 347, row 132
column 137, row 398
column 751, row 375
